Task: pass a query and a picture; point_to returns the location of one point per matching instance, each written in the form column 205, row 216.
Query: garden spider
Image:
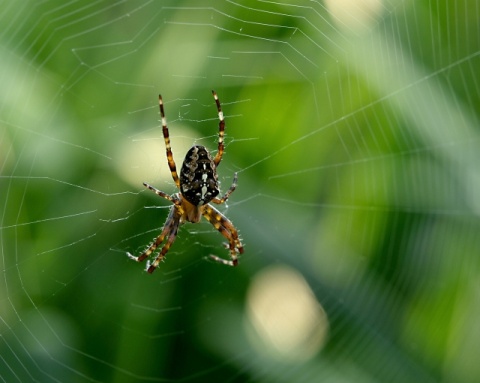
column 198, row 185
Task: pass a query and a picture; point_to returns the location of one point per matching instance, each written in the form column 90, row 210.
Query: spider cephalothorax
column 198, row 185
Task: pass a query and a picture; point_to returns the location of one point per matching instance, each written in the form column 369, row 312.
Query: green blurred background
column 354, row 129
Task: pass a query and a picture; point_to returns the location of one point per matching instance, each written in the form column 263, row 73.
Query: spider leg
column 170, row 228
column 166, row 137
column 162, row 194
column 229, row 191
column 226, row 228
column 221, row 130
column 172, row 234
column 153, row 246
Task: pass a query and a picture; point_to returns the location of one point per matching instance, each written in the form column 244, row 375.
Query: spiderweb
column 353, row 126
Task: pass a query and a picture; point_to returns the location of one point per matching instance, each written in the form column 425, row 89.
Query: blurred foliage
column 357, row 153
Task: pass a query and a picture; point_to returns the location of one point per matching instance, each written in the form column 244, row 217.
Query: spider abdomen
column 198, row 177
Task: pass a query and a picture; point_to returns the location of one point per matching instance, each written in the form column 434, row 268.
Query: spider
column 198, row 185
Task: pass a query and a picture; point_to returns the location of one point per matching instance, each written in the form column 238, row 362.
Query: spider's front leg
column 169, row 231
column 172, row 234
column 153, row 246
column 226, row 228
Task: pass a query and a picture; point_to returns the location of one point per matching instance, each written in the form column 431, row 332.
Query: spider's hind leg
column 221, row 130
column 166, row 137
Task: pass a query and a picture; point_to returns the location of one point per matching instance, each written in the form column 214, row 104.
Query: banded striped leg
column 166, row 137
column 221, row 130
column 171, row 229
column 226, row 228
column 229, row 191
column 153, row 246
column 174, row 199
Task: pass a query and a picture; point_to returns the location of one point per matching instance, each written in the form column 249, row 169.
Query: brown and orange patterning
column 198, row 185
